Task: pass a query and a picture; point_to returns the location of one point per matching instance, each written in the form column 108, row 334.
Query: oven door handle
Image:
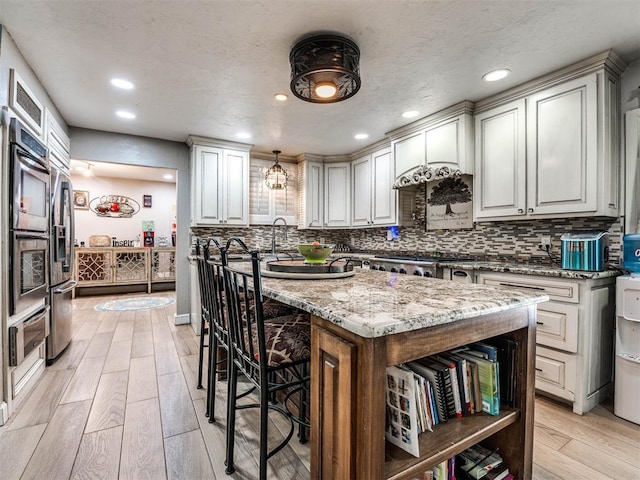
column 65, row 290
column 36, row 316
column 32, row 162
column 28, row 236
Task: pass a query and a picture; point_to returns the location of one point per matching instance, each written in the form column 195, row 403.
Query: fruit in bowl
column 315, row 252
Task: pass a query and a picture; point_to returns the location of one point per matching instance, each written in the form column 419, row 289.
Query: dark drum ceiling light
column 325, row 69
column 276, row 177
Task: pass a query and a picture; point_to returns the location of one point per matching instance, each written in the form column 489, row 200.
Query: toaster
column 585, row 251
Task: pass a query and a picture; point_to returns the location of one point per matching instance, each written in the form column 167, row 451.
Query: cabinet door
column 207, row 205
column 500, row 179
column 234, row 187
column 337, row 187
column 130, row 266
column 450, row 144
column 93, row 267
column 361, row 215
column 383, row 196
column 562, row 148
column 311, row 188
column 408, row 153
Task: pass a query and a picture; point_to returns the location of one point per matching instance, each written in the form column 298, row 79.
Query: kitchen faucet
column 273, row 233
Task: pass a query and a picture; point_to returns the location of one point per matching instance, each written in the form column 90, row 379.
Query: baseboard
column 182, row 319
column 4, row 413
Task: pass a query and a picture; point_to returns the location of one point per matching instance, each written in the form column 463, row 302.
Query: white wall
column 162, row 211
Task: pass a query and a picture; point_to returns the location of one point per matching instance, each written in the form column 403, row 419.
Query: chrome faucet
column 273, row 233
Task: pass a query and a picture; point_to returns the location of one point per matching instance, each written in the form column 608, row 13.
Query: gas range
column 409, row 264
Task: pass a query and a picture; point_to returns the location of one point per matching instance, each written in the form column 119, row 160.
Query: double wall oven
column 29, row 247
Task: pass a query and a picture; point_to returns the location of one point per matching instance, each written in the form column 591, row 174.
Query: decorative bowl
column 315, row 253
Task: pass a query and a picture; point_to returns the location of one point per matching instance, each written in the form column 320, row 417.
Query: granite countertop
column 528, row 269
column 375, row 304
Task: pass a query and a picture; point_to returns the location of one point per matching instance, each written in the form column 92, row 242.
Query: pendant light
column 276, row 177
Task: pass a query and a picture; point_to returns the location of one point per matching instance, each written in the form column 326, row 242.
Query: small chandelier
column 276, row 177
column 325, row 69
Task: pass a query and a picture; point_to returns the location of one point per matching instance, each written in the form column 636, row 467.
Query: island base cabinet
column 348, row 375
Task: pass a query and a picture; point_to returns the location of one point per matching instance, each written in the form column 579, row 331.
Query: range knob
column 373, row 267
column 417, row 272
column 403, row 271
column 382, row 268
column 394, row 270
column 427, row 274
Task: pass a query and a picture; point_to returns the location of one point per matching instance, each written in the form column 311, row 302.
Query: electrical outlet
column 544, row 242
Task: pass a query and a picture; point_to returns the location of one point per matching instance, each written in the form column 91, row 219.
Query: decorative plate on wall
column 119, row 206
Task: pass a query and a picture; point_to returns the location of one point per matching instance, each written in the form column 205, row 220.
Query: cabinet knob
column 520, row 210
column 530, row 210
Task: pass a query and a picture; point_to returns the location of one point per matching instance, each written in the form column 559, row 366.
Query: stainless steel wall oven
column 29, row 270
column 29, row 181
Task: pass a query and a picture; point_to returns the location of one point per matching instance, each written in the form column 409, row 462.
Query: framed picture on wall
column 81, row 199
column 146, row 201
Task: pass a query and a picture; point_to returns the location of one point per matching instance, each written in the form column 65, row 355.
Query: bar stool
column 273, row 354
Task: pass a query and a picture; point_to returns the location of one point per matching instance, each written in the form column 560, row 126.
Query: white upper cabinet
column 58, row 142
column 561, row 148
column 444, row 139
column 450, row 144
column 553, row 152
column 265, row 204
column 337, row 195
column 409, row 153
column 310, row 194
column 500, row 181
column 220, row 178
column 373, row 197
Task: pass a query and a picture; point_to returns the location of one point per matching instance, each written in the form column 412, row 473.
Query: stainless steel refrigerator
column 61, row 282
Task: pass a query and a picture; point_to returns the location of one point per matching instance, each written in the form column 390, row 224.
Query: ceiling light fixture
column 410, row 114
column 280, row 97
column 495, row 75
column 325, row 69
column 167, row 176
column 243, row 135
column 276, row 177
column 361, row 136
column 125, row 114
column 122, row 83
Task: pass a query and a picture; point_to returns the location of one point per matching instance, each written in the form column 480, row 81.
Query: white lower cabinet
column 574, row 337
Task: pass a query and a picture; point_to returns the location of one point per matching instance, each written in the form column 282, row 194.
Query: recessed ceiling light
column 167, row 176
column 410, row 114
column 125, row 114
column 280, row 96
column 80, row 168
column 243, row 135
column 494, row 75
column 122, row 83
column 361, row 136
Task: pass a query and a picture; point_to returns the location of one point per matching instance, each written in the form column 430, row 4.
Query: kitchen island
column 364, row 323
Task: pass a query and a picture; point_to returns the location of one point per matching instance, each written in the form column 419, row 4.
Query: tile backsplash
column 514, row 241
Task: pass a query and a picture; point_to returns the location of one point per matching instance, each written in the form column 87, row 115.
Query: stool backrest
column 214, row 278
column 243, row 289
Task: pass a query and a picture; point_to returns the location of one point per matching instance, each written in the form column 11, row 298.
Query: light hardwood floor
column 122, row 402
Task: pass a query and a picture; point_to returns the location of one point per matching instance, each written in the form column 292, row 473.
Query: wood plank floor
column 122, row 402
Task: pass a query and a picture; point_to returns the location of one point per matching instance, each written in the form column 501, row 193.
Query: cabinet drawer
column 555, row 373
column 556, row 289
column 557, row 326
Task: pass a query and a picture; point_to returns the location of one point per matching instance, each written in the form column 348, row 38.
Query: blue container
column 631, row 252
column 585, row 251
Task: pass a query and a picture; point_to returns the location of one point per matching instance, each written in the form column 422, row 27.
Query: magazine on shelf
column 401, row 427
column 455, row 382
column 489, row 378
column 477, row 461
column 436, row 379
column 508, row 360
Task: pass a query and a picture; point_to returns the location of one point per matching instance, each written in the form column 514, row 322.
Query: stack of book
column 478, row 462
column 432, row 390
column 442, row 471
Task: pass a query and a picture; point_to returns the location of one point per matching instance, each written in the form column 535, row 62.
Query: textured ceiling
column 211, row 68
